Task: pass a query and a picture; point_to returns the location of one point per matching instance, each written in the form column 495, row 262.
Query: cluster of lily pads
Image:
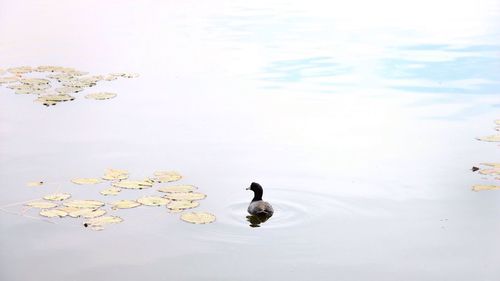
column 489, row 170
column 176, row 199
column 39, row 81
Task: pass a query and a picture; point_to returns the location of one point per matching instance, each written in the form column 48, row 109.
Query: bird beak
column 248, row 188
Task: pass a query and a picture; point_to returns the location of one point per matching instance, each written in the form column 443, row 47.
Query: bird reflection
column 256, row 220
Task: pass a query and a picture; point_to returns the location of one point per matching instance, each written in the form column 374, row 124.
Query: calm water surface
column 358, row 119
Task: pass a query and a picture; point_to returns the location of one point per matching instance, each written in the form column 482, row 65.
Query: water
column 358, row 119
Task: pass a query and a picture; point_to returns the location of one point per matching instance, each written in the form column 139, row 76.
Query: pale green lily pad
column 493, row 138
column 127, row 184
column 198, row 217
column 153, row 201
column 86, row 181
column 34, row 81
column 57, row 196
column 485, row 187
column 111, row 191
column 178, row 188
column 125, row 204
column 68, row 90
column 20, row 70
column 115, row 174
column 101, row 96
column 94, row 214
column 41, row 205
column 84, row 204
column 53, row 213
column 182, row 205
column 190, row 196
column 100, row 222
column 80, row 212
column 34, row 183
column 167, row 176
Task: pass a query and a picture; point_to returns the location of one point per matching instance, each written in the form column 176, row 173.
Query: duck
column 258, row 207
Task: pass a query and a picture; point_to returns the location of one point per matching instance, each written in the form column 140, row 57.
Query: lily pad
column 68, row 90
column 133, row 184
column 10, row 79
column 53, row 213
column 101, row 96
column 34, row 183
column 20, row 70
column 125, row 204
column 94, row 214
column 190, row 196
column 167, row 176
column 153, row 201
column 198, row 217
column 100, row 222
column 182, row 205
column 115, row 174
column 86, row 181
column 110, row 191
column 84, row 204
column 493, row 138
column 485, row 187
column 81, row 212
column 34, row 81
column 57, row 196
column 41, row 205
column 178, row 188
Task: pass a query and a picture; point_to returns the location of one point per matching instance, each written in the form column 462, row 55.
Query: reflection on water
column 256, row 220
column 359, row 117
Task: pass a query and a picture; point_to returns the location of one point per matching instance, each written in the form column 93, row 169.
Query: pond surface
column 359, row 119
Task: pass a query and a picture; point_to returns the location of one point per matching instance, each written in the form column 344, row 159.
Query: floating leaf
column 84, row 204
column 80, row 212
column 68, row 209
column 493, row 138
column 111, row 191
column 153, row 201
column 114, row 174
column 6, row 80
column 485, row 187
column 125, row 204
column 198, row 217
column 100, row 222
column 94, row 214
column 53, row 213
column 57, row 196
column 133, row 184
column 125, row 75
column 20, row 70
column 178, row 188
column 101, row 96
column 182, row 205
column 185, row 196
column 41, row 205
column 68, row 90
column 34, row 81
column 167, row 176
column 34, row 183
column 86, row 181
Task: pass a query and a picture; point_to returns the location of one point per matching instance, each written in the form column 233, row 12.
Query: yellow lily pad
column 178, row 188
column 114, row 174
column 53, row 213
column 100, row 222
column 110, row 191
column 41, row 205
column 80, row 212
column 198, row 217
column 182, row 205
column 153, row 201
column 86, row 181
column 133, row 184
column 190, row 196
column 101, row 96
column 485, row 187
column 125, row 75
column 493, row 138
column 167, row 176
column 68, row 90
column 10, row 79
column 34, row 81
column 57, row 196
column 34, row 183
column 94, row 214
column 68, row 209
column 20, row 70
column 125, row 204
column 84, row 204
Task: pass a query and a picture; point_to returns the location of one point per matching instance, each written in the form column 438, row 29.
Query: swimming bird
column 258, row 207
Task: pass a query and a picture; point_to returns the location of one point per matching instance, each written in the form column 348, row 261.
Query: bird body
column 258, row 207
